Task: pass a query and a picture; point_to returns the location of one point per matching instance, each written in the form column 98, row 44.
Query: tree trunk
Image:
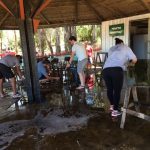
column 57, row 34
column 93, row 33
column 66, row 37
column 73, row 31
column 68, row 31
column 8, row 40
column 48, row 42
column 16, row 43
column 42, row 41
column 39, row 39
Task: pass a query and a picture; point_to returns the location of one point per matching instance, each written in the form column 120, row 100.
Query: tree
column 84, row 33
column 57, row 35
column 66, row 37
column 16, row 42
column 48, row 40
column 40, row 42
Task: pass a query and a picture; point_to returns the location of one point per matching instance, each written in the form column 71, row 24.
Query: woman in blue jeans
column 118, row 56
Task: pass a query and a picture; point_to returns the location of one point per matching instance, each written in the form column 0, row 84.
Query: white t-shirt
column 118, row 56
column 79, row 50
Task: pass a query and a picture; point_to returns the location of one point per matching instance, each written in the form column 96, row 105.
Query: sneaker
column 80, row 87
column 115, row 113
column 111, row 108
column 17, row 95
column 3, row 95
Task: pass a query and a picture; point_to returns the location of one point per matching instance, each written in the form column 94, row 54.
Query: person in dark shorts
column 8, row 63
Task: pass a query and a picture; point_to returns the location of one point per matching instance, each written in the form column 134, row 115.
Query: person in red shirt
column 89, row 50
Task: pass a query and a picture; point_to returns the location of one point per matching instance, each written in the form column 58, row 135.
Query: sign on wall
column 116, row 30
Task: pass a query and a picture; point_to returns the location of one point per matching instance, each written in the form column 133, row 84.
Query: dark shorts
column 5, row 72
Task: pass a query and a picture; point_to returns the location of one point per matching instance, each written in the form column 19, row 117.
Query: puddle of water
column 46, row 122
column 99, row 133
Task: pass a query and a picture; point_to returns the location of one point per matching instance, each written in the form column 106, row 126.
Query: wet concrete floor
column 69, row 120
column 100, row 133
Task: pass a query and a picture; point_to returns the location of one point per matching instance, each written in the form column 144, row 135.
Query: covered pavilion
column 28, row 15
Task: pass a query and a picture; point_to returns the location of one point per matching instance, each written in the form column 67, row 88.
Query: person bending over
column 118, row 56
column 43, row 74
column 8, row 63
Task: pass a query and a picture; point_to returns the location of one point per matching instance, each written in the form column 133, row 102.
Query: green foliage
column 36, row 40
column 12, row 44
column 84, row 33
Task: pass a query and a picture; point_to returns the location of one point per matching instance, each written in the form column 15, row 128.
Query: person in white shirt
column 79, row 50
column 118, row 56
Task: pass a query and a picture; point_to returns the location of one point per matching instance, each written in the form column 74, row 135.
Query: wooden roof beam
column 42, row 4
column 70, row 23
column 110, row 9
column 5, row 6
column 116, row 9
column 42, row 15
column 122, row 14
column 76, row 11
column 145, row 4
column 21, row 7
column 6, row 16
column 99, row 17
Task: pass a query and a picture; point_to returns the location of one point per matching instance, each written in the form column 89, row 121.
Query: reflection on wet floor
column 91, row 95
column 70, row 119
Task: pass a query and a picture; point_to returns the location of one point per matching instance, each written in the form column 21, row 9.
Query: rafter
column 42, row 4
column 99, row 17
column 69, row 23
column 35, row 24
column 5, row 6
column 145, row 4
column 76, row 11
column 22, row 15
column 6, row 16
column 45, row 18
column 122, row 14
column 116, row 13
column 42, row 15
